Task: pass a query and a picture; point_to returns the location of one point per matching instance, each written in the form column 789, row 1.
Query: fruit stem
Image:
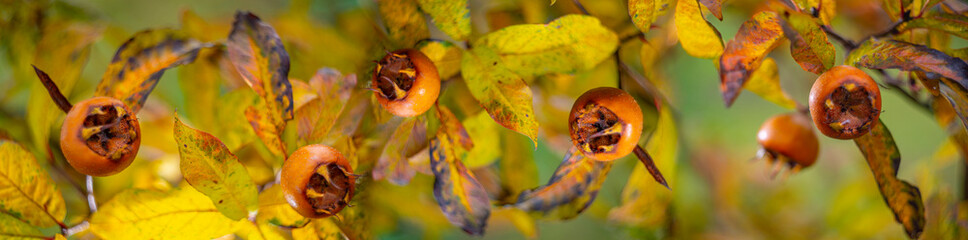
column 91, row 203
column 650, row 165
column 52, row 89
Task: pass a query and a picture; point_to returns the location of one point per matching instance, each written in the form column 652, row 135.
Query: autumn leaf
column 445, row 55
column 502, row 93
column 259, row 56
column 699, row 38
column 645, row 202
column 645, row 12
column 65, row 52
column 765, row 81
column 233, row 128
column 323, row 229
column 950, row 23
column 884, row 159
column 957, row 96
column 715, row 7
column 139, row 63
column 568, row 44
column 518, row 171
column 317, row 117
column 826, row 9
column 486, row 136
column 393, row 164
column 177, row 214
column 808, row 43
column 756, row 37
column 883, row 54
column 460, row 196
column 26, row 191
column 13, row 228
column 404, row 21
column 570, row 191
column 450, row 16
column 261, row 123
column 211, row 168
column 261, row 231
column 274, row 209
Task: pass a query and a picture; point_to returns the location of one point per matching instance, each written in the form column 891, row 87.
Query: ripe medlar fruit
column 317, row 181
column 845, row 102
column 100, row 136
column 790, row 138
column 406, row 82
column 605, row 123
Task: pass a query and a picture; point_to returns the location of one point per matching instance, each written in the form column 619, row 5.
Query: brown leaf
column 756, row 37
column 884, row 159
column 884, row 54
column 715, row 7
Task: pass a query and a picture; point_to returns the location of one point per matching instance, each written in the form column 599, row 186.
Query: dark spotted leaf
column 259, row 56
column 884, row 159
column 211, row 168
column 884, row 54
column 570, row 191
column 461, row 197
column 139, row 63
column 950, row 23
column 808, row 43
column 756, row 37
column 269, row 133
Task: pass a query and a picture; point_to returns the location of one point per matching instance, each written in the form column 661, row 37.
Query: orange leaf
column 756, row 37
column 884, row 159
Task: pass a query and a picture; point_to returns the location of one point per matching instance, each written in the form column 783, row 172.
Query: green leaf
column 505, row 96
column 570, row 191
column 66, row 51
column 460, row 196
column 883, row 54
column 950, row 23
column 211, row 168
column 393, row 163
column 568, row 44
column 644, row 201
column 446, row 57
column 316, row 118
column 404, row 22
column 884, row 159
column 139, row 63
column 274, row 209
column 26, row 191
column 808, row 43
column 765, row 81
column 451, row 16
column 755, row 38
column 13, row 228
column 259, row 56
column 486, row 136
column 715, row 7
column 177, row 214
column 699, row 38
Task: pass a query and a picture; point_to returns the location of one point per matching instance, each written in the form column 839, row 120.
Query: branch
column 581, row 7
column 896, row 85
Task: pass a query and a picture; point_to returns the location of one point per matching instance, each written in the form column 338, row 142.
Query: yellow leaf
column 212, row 169
column 274, row 209
column 644, row 12
column 323, row 229
column 446, row 57
column 502, row 93
column 755, row 38
column 404, row 22
column 485, row 134
column 178, row 214
column 261, row 231
column 884, row 160
column 451, row 16
column 317, row 117
column 698, row 37
column 765, row 81
column 645, row 203
column 233, row 128
column 571, row 189
column 13, row 228
column 460, row 196
column 26, row 191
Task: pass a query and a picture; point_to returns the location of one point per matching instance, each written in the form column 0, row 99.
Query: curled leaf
column 884, row 159
column 139, row 63
column 699, row 38
column 765, row 81
column 883, row 54
column 177, row 214
column 502, row 93
column 451, row 16
column 808, row 43
column 570, row 191
column 756, row 37
column 259, row 56
column 211, row 168
column 26, row 191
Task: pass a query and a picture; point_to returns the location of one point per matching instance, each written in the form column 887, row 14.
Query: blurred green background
column 719, row 192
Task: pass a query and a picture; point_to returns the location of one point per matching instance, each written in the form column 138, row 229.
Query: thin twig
column 581, row 7
column 898, row 86
column 849, row 45
column 52, row 89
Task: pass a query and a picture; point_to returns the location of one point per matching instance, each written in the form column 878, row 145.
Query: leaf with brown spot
column 211, row 168
column 885, row 54
column 715, row 7
column 884, row 158
column 699, row 38
column 808, row 43
column 265, row 130
column 501, row 92
column 140, row 62
column 571, row 189
column 756, row 38
column 460, row 196
column 259, row 56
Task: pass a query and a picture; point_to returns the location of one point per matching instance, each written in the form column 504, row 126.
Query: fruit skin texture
column 299, row 169
column 75, row 147
column 424, row 91
column 628, row 114
column 790, row 135
column 860, row 111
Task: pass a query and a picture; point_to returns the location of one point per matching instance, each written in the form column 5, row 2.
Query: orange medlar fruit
column 788, row 137
column 317, row 181
column 605, row 123
column 845, row 102
column 406, row 82
column 100, row 136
